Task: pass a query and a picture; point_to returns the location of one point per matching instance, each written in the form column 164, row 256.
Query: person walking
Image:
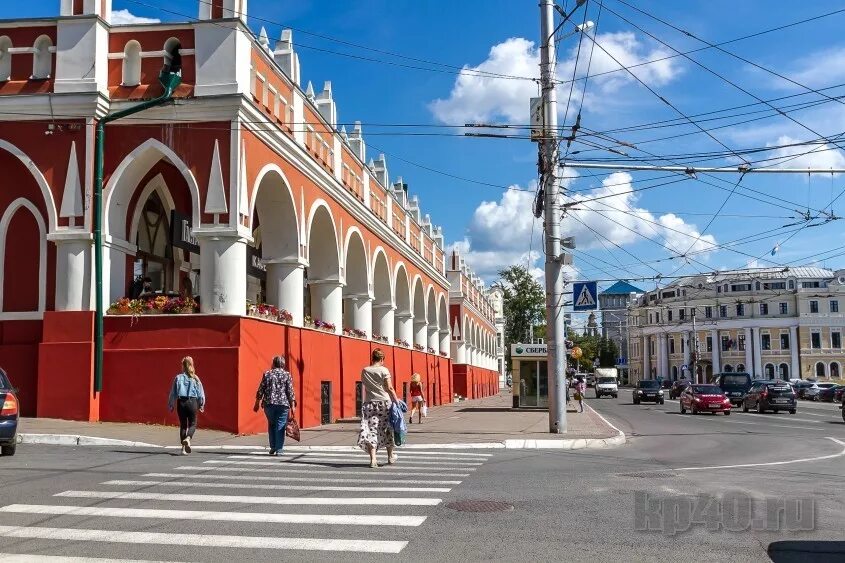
column 417, row 399
column 376, row 430
column 275, row 394
column 188, row 396
column 580, row 391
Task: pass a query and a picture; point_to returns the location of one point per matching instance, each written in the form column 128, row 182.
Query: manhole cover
column 648, row 475
column 480, row 506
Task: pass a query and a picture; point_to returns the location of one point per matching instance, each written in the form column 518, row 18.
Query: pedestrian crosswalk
column 315, row 501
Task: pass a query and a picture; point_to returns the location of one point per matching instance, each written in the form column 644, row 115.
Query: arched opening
column 357, row 306
column 42, row 58
column 769, row 371
column 383, row 317
column 420, row 323
column 172, row 55
column 728, row 368
column 820, row 369
column 154, row 263
column 834, row 370
column 5, row 58
column 740, row 368
column 783, row 371
column 404, row 322
column 431, row 320
column 674, row 373
column 131, row 64
column 443, row 319
column 23, row 257
column 325, row 291
column 275, row 274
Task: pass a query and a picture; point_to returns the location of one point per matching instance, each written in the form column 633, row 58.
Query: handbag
column 292, row 429
column 577, row 395
column 425, row 410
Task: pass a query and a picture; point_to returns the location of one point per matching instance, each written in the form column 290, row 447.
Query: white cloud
column 805, row 156
column 477, row 98
column 817, row 70
column 500, row 232
column 124, row 17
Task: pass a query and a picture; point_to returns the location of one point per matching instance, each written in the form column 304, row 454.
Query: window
column 667, row 294
column 764, row 308
column 784, row 342
column 669, row 313
column 816, row 341
column 791, row 284
column 682, row 345
column 814, row 306
column 5, row 58
column 757, row 286
column 131, row 64
column 657, row 317
column 834, row 306
column 723, row 311
column 784, row 308
column 740, row 309
column 708, row 312
column 682, row 314
column 836, row 340
column 649, row 318
column 42, row 59
column 709, row 343
column 726, row 343
column 173, row 45
column 765, row 341
column 741, row 287
column 671, row 345
column 741, row 340
column 774, row 285
column 809, row 284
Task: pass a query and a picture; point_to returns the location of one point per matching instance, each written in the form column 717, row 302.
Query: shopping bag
column 577, row 395
column 425, row 410
column 292, row 429
column 399, row 437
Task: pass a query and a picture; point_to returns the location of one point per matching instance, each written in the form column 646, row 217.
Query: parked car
column 800, row 387
column 735, row 385
column 842, row 406
column 678, row 387
column 770, row 395
column 648, row 390
column 704, row 398
column 838, row 394
column 666, row 384
column 8, row 416
column 827, row 394
column 812, row 393
column 606, row 386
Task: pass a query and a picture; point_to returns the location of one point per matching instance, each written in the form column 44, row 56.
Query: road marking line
column 356, row 501
column 329, row 466
column 310, row 471
column 125, row 483
column 362, row 460
column 791, row 417
column 767, row 424
column 416, row 456
column 21, row 558
column 771, row 463
column 202, row 540
column 359, row 452
column 299, row 479
column 208, row 515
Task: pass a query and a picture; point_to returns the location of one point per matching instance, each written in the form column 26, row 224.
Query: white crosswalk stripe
column 329, row 493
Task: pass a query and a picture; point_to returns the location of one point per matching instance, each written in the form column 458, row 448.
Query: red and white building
column 241, row 189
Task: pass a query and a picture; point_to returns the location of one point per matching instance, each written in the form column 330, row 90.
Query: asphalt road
column 566, row 506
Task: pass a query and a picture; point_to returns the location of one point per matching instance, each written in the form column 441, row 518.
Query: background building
column 497, row 299
column 614, row 303
column 772, row 322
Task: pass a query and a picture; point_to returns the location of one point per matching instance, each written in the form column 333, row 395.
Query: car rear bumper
column 8, row 431
column 778, row 406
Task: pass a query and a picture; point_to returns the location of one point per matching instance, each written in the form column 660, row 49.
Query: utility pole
column 548, row 172
column 694, row 377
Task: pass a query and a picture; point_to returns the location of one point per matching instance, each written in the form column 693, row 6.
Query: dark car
column 678, row 387
column 828, row 394
column 704, row 398
column 838, row 394
column 770, row 395
column 735, row 385
column 666, row 384
column 801, row 387
column 8, row 416
column 648, row 390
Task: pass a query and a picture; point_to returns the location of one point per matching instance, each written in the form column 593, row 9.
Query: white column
column 758, row 355
column 646, row 358
column 286, row 287
column 405, row 327
column 362, row 313
column 460, row 352
column 445, row 338
column 749, row 350
column 75, row 273
column 383, row 321
column 664, row 356
column 420, row 332
column 795, row 368
column 717, row 366
column 222, row 273
column 327, row 302
column 688, row 344
column 434, row 338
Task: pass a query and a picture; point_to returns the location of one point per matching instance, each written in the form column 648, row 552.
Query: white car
column 812, row 393
column 607, row 386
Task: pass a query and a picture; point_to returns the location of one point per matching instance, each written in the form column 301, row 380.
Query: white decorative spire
column 263, row 40
column 215, row 199
column 309, row 91
column 72, row 196
column 243, row 192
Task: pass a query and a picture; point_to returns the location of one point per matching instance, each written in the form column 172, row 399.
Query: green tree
column 608, row 353
column 524, row 305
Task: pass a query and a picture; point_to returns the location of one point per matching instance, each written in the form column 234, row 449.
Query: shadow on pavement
column 801, row 551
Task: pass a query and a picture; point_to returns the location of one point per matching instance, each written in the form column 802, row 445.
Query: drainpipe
column 169, row 79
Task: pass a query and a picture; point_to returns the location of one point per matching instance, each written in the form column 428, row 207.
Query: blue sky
column 493, row 226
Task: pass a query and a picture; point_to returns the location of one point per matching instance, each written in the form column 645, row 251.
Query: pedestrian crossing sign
column 584, row 296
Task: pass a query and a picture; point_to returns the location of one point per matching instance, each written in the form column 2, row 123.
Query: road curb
column 78, row 440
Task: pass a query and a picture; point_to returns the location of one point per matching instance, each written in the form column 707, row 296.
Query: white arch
column 42, row 58
column 442, row 312
column 352, row 231
column 315, row 208
column 430, row 306
column 131, row 67
column 396, row 295
column 256, row 192
column 823, row 370
column 134, row 166
column 159, row 186
column 418, row 283
column 42, row 247
column 49, row 202
column 838, row 370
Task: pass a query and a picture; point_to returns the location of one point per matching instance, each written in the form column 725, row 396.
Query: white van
column 607, row 382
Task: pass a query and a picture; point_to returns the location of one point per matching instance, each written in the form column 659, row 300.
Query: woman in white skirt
column 376, row 431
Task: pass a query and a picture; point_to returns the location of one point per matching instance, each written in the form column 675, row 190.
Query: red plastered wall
column 460, row 379
column 321, row 354
column 355, row 355
column 402, row 369
column 19, row 359
column 260, row 341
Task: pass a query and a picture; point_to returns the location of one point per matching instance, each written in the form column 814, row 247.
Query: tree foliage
column 524, row 305
column 593, row 347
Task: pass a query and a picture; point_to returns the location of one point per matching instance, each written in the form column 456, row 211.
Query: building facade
column 244, row 194
column 614, row 303
column 772, row 323
column 497, row 298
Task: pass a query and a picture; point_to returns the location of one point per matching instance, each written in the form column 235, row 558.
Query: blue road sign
column 584, row 296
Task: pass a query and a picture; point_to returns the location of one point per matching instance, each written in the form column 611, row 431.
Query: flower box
column 354, row 332
column 158, row 305
column 319, row 325
column 419, row 348
column 431, row 350
column 400, row 342
column 380, row 338
column 268, row 312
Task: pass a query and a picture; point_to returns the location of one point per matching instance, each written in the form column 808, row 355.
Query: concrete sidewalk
column 482, row 423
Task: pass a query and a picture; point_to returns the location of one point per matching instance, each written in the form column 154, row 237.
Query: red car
column 705, row 398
